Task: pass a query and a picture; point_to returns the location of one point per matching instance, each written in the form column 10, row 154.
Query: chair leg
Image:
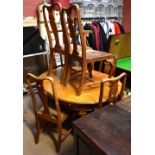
column 63, row 81
column 37, row 132
column 65, row 71
column 90, row 68
column 52, row 64
column 78, row 93
column 66, row 75
column 59, row 139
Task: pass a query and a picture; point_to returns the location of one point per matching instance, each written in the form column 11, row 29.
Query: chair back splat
column 53, row 33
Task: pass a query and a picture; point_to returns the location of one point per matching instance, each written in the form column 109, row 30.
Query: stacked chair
column 71, row 21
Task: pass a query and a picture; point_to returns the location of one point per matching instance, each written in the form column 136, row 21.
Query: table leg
column 82, row 112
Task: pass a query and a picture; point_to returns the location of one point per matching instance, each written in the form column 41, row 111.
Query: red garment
column 98, row 36
column 116, row 28
column 96, row 30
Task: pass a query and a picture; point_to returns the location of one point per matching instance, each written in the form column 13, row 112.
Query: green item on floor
column 124, row 63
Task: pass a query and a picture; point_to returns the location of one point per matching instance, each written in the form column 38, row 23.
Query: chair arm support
column 110, row 66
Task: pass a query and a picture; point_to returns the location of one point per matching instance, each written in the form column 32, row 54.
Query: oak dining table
column 67, row 94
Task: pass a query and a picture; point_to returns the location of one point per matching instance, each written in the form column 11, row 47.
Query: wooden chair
column 46, row 113
column 70, row 20
column 112, row 89
column 53, row 33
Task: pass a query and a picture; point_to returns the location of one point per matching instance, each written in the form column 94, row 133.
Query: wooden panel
column 120, row 45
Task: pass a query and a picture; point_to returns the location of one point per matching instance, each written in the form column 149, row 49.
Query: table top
column 108, row 129
column 124, row 63
column 89, row 95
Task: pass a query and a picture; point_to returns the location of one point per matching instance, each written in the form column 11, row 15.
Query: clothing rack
column 86, row 18
column 118, row 19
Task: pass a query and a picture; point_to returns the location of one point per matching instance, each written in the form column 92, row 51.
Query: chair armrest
column 110, row 67
column 85, row 32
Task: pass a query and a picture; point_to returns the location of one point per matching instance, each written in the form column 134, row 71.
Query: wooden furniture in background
column 78, row 53
column 105, row 131
column 46, row 113
column 120, row 45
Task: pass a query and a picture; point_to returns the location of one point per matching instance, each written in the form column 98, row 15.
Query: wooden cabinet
column 105, row 131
